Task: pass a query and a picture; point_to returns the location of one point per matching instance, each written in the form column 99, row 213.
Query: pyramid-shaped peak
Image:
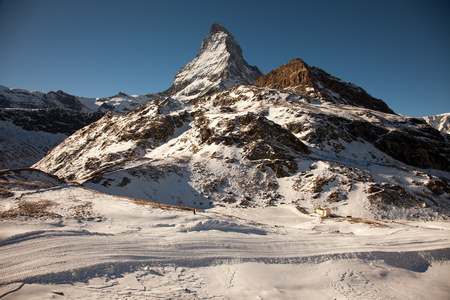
column 297, row 61
column 217, row 27
column 218, row 65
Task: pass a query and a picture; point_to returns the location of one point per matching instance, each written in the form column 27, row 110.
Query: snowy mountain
column 20, row 99
column 299, row 136
column 257, row 147
column 224, row 187
column 32, row 123
column 122, row 102
column 439, row 122
column 11, row 98
column 218, row 65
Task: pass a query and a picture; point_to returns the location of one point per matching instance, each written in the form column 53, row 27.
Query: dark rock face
column 316, row 83
column 53, row 120
column 413, row 142
column 216, row 27
column 69, row 101
column 422, row 147
column 349, row 92
column 438, row 187
column 384, row 195
column 150, row 132
column 252, row 128
column 417, row 148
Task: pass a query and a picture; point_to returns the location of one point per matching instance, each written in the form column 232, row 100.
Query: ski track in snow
column 35, row 255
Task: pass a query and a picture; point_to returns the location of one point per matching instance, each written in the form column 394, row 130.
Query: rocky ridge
column 11, row 98
column 319, row 85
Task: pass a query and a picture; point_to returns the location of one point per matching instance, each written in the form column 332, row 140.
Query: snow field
column 335, row 279
column 118, row 248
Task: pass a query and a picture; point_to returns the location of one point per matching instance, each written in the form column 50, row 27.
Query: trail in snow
column 34, row 255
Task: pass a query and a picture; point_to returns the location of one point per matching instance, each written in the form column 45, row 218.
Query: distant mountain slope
column 439, row 122
column 32, row 123
column 19, row 99
column 21, row 148
column 11, row 98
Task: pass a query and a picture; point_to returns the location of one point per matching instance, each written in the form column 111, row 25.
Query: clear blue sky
column 398, row 51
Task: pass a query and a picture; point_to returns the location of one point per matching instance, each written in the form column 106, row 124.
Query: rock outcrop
column 295, row 73
column 318, row 84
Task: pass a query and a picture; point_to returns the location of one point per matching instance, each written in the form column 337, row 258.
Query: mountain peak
column 217, row 27
column 316, row 83
column 218, row 65
column 292, row 74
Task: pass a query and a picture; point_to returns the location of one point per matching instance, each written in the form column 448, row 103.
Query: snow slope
column 21, row 148
column 249, row 146
column 92, row 245
column 440, row 122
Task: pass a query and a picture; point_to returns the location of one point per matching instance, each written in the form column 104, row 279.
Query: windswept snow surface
column 103, row 247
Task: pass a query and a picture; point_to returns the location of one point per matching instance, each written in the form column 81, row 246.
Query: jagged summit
column 218, row 65
column 318, row 84
column 217, row 27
